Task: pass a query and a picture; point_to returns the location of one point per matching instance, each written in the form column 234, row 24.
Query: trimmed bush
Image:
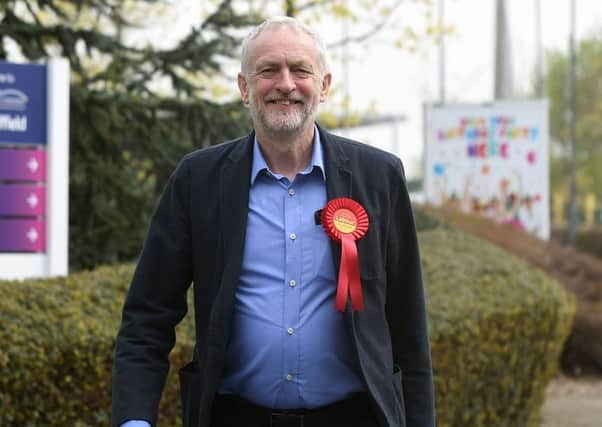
column 497, row 329
column 580, row 273
column 58, row 340
column 496, row 325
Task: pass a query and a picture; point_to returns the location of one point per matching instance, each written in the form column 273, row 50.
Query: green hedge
column 497, row 328
column 58, row 339
column 578, row 272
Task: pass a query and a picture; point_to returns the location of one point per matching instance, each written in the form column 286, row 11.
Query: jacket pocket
column 370, row 253
column 190, row 392
column 397, row 379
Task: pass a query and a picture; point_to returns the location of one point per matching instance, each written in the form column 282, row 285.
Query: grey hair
column 277, row 22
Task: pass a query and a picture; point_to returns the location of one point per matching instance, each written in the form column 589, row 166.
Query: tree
column 369, row 17
column 134, row 110
column 589, row 117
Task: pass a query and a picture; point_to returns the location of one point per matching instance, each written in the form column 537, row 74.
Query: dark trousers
column 232, row 411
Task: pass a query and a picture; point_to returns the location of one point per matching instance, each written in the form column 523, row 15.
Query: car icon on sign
column 12, row 99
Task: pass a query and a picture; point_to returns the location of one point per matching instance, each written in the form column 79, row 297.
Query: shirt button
column 290, row 331
column 293, row 236
column 289, row 377
column 291, row 191
column 292, row 283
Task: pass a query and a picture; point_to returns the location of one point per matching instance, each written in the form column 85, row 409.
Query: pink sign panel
column 22, row 235
column 23, row 165
column 23, row 200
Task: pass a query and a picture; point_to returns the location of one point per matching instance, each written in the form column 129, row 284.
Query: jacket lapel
column 338, row 184
column 338, row 178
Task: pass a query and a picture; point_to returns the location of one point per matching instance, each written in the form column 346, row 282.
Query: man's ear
column 244, row 89
column 325, row 86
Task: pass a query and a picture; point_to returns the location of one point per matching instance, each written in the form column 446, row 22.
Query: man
column 246, row 222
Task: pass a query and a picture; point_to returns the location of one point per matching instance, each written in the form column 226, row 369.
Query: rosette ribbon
column 346, row 221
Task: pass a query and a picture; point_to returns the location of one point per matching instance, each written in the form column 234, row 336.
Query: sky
column 401, row 82
column 397, row 82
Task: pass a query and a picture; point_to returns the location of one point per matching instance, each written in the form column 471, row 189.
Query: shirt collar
column 317, row 159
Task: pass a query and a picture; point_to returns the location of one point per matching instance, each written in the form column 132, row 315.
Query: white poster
column 490, row 160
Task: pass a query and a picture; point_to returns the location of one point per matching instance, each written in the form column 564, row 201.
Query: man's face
column 284, row 84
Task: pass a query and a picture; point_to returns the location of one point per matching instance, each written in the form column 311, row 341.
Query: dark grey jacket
column 197, row 235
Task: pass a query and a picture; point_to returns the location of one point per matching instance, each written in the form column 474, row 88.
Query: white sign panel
column 490, row 160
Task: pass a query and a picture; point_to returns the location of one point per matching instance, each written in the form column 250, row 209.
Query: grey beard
column 278, row 124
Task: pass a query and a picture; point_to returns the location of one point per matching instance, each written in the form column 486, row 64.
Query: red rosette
column 346, row 221
column 347, row 211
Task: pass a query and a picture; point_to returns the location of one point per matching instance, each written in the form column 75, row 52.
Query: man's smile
column 284, row 101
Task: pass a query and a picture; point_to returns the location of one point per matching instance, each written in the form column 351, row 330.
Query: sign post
column 34, row 162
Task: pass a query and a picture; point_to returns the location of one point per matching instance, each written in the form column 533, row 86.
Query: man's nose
column 286, row 81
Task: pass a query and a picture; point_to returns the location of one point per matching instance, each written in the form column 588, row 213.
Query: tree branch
column 313, row 3
column 374, row 30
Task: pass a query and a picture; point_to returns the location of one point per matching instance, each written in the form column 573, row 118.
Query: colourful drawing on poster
column 490, row 160
column 510, row 204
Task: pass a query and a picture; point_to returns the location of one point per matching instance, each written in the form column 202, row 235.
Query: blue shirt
column 288, row 346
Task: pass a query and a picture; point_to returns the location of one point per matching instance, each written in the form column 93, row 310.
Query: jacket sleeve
column 406, row 313
column 155, row 303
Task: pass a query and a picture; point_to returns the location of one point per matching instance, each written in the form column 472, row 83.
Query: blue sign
column 22, row 103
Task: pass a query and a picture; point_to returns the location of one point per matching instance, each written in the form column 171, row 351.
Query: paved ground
column 573, row 403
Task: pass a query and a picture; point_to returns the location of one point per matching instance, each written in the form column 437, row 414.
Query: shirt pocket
column 323, row 263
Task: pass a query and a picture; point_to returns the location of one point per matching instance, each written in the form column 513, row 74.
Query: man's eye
column 267, row 72
column 302, row 72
